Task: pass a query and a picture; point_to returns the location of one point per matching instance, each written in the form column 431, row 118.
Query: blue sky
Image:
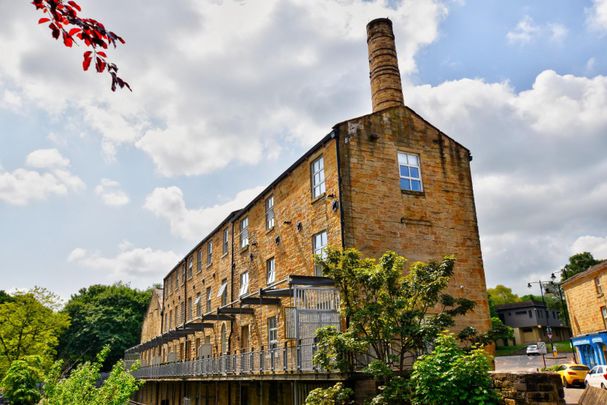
column 97, row 187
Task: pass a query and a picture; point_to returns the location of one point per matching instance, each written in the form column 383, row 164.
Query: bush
column 335, row 395
column 21, row 382
column 450, row 375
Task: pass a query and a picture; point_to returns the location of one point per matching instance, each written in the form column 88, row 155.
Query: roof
column 597, row 268
column 517, row 305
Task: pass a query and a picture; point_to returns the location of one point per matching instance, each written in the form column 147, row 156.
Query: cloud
column 222, row 84
column 193, row 224
column 21, row 186
column 596, row 16
column 111, row 194
column 46, row 159
column 130, row 263
column 527, row 31
column 596, row 245
column 540, row 174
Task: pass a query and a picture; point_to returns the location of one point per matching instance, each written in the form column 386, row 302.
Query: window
column 270, row 212
column 182, row 312
column 176, row 279
column 272, row 333
column 244, row 233
column 244, row 283
column 225, row 241
column 530, row 314
column 190, row 266
column 189, row 308
column 198, row 304
column 183, row 270
column 224, row 339
column 209, row 252
column 270, row 270
column 223, row 292
column 199, row 260
column 410, row 172
column 318, row 177
column 170, row 319
column 209, row 297
column 166, row 321
column 597, row 285
column 319, row 243
column 604, row 313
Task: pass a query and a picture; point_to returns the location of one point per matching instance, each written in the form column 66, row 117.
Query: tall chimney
column 386, row 88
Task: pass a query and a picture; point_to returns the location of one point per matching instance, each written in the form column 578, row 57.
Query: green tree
column 392, row 317
column 81, row 385
column 4, row 297
column 578, row 263
column 30, row 325
column 450, row 375
column 502, row 295
column 103, row 315
column 21, row 383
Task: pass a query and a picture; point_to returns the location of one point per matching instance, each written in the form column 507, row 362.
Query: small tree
column 21, row 383
column 502, row 295
column 450, row 375
column 578, row 263
column 391, row 317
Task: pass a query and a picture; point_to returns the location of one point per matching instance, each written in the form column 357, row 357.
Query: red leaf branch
column 64, row 21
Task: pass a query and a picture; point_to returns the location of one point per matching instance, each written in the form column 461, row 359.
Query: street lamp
column 548, row 328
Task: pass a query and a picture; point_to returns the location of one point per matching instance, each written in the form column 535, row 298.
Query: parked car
column 572, row 374
column 597, row 377
column 532, row 350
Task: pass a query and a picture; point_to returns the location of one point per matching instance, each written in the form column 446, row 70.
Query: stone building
column 533, row 322
column 241, row 308
column 587, row 306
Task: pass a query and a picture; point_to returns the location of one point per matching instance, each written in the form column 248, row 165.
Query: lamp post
column 563, row 306
column 548, row 328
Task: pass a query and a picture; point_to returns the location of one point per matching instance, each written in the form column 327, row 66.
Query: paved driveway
column 528, row 363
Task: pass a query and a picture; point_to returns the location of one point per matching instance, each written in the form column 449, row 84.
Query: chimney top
column 386, row 87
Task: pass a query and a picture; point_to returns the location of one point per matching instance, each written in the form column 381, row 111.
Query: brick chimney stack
column 386, row 88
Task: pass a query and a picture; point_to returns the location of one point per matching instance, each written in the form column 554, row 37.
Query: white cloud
column 21, row 186
column 263, row 76
column 193, row 224
column 130, row 263
column 540, row 174
column 526, row 31
column 46, row 159
column 111, row 194
column 597, row 15
column 596, row 245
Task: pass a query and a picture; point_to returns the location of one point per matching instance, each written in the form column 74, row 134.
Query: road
column 534, row 363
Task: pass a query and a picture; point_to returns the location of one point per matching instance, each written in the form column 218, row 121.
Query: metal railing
column 275, row 360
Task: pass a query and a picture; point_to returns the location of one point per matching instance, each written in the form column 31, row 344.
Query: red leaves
column 65, row 21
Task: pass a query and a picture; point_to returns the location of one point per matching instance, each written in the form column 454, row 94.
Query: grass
column 561, row 347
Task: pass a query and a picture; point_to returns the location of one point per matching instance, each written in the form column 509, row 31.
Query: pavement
column 535, row 363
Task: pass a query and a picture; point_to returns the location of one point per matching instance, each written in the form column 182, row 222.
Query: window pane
column 405, row 184
column 402, row 159
column 416, row 185
column 414, row 172
column 412, row 159
column 404, row 171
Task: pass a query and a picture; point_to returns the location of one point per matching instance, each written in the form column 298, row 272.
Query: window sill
column 224, row 255
column 268, row 230
column 244, row 249
column 320, row 197
column 414, row 193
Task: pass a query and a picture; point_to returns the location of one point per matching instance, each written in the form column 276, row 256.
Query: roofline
column 597, row 267
column 522, row 304
column 234, row 215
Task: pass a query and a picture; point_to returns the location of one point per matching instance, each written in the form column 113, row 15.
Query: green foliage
column 335, row 395
column 502, row 295
column 30, row 325
column 392, row 316
column 4, row 297
column 81, row 385
column 103, row 315
column 21, row 382
column 498, row 331
column 578, row 263
column 450, row 375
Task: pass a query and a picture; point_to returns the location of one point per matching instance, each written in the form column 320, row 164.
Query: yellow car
column 572, row 374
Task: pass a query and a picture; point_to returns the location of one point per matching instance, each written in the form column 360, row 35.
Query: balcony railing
column 275, row 360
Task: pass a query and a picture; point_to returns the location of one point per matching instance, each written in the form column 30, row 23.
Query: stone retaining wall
column 529, row 388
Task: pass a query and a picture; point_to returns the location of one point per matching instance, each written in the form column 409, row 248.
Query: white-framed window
column 272, row 333
column 317, row 171
column 597, row 285
column 244, row 232
column 199, row 260
column 244, row 283
column 223, row 292
column 190, row 266
column 209, row 252
column 226, row 236
column 270, row 270
column 270, row 212
column 209, row 298
column 604, row 314
column 319, row 244
column 190, row 308
column 410, row 172
column 198, row 304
